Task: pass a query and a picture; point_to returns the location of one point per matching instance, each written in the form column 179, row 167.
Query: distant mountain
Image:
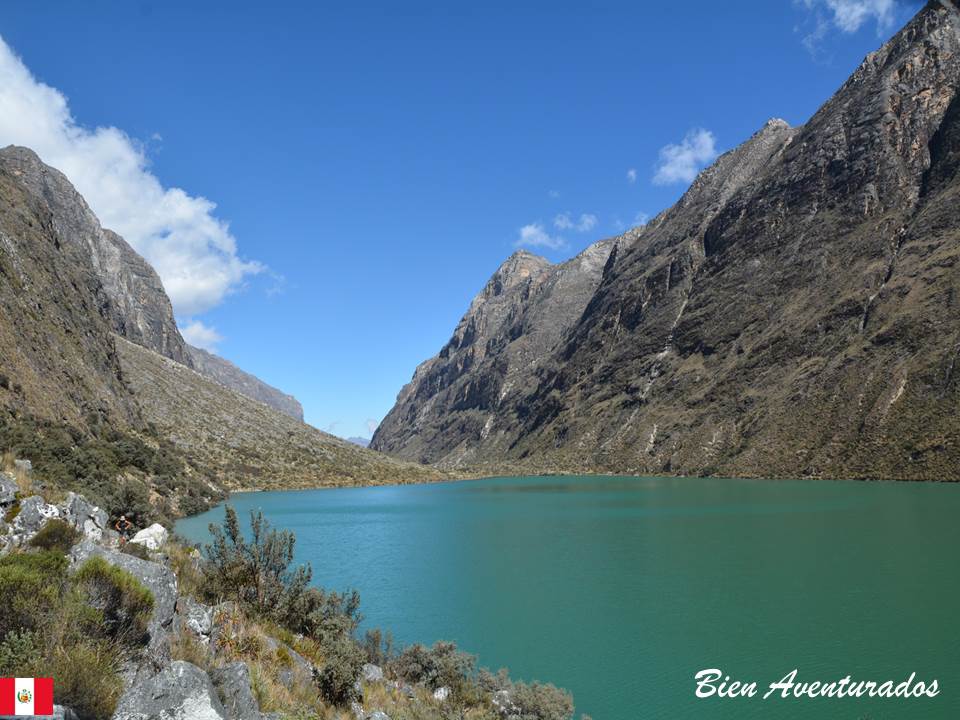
column 362, row 442
column 229, row 375
column 91, row 362
column 794, row 314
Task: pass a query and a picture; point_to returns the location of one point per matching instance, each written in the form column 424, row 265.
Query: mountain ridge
column 789, row 316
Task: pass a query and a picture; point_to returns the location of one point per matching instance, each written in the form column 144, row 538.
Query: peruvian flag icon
column 26, row 696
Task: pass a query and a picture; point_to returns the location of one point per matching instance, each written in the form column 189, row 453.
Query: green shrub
column 30, row 586
column 124, row 603
column 20, row 654
column 542, row 701
column 56, row 535
column 342, row 664
column 437, row 666
column 86, row 677
column 378, row 647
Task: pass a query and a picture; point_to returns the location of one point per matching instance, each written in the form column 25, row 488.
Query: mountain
column 454, row 403
column 97, row 386
column 229, row 375
column 794, row 314
column 241, row 443
column 361, row 441
column 138, row 307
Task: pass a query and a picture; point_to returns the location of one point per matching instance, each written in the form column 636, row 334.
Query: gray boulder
column 233, row 682
column 8, row 489
column 152, row 537
column 298, row 664
column 371, row 673
column 181, row 691
column 441, row 693
column 85, row 517
column 194, row 617
column 24, row 466
column 34, row 513
column 158, row 579
column 376, row 715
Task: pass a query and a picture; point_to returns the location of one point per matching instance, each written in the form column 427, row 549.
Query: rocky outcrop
column 230, row 376
column 464, row 398
column 233, row 683
column 158, row 579
column 180, row 691
column 152, row 538
column 792, row 315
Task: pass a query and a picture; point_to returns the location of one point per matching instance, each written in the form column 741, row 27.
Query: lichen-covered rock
column 181, row 691
column 155, row 577
column 8, row 489
column 371, row 673
column 233, row 682
column 152, row 537
column 441, row 693
column 33, row 515
column 84, row 516
column 194, row 617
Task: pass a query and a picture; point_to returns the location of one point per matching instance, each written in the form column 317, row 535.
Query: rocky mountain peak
column 793, row 314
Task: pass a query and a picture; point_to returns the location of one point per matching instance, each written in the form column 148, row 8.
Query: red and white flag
column 26, row 696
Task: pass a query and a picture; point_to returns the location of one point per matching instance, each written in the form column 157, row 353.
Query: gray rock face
column 155, row 577
column 371, row 673
column 8, row 489
column 34, row 513
column 152, row 538
column 376, row 715
column 794, row 314
column 137, row 308
column 195, row 617
column 179, row 692
column 465, row 398
column 85, row 517
column 230, row 376
column 233, row 682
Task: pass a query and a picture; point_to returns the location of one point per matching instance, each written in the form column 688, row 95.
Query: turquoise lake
column 621, row 589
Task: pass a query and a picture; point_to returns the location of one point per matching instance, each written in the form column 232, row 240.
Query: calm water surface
column 621, row 589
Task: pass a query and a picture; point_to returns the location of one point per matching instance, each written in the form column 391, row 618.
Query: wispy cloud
column 585, row 223
column 534, row 235
column 190, row 247
column 641, row 218
column 632, row 175
column 845, row 16
column 372, row 426
column 200, row 335
column 554, row 194
column 680, row 163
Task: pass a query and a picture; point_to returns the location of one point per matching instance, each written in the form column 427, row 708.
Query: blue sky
column 371, row 164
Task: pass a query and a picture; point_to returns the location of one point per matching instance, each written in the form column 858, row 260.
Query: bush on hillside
column 378, row 647
column 30, row 586
column 56, row 535
column 124, row 603
column 20, row 654
column 437, row 666
column 336, row 678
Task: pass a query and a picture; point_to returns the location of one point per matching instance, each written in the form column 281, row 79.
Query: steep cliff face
column 463, row 398
column 794, row 314
column 230, row 376
column 57, row 356
column 137, row 307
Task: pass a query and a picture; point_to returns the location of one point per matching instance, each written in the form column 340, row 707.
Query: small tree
column 257, row 573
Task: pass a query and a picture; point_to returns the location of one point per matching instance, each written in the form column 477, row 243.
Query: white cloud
column 533, row 235
column 585, row 223
column 641, row 218
column 849, row 15
column 681, row 162
column 632, row 175
column 191, row 249
column 553, row 194
column 201, row 336
column 372, row 426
